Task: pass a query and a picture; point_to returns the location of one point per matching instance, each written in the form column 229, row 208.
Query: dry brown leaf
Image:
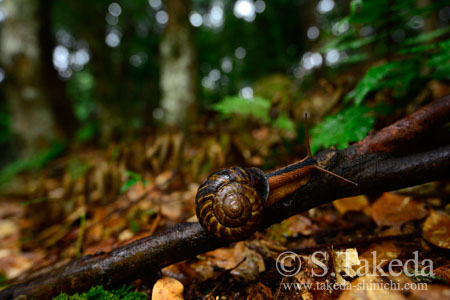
column 384, row 253
column 436, row 229
column 299, row 224
column 259, row 292
column 7, row 228
column 204, row 270
column 172, row 206
column 391, row 209
column 356, row 203
column 369, row 288
column 183, row 272
column 167, row 288
column 229, row 258
column 432, row 292
column 344, row 261
column 443, row 272
column 12, row 265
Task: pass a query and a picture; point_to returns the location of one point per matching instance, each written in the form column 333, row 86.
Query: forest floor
column 93, row 200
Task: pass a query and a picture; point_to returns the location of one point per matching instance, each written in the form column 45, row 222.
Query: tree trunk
column 54, row 87
column 32, row 122
column 178, row 65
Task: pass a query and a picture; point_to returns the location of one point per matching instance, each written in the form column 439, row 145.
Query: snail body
column 230, row 202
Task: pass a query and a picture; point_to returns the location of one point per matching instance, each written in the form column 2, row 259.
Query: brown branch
column 371, row 166
column 407, row 129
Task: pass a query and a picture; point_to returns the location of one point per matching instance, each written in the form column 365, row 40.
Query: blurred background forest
column 97, row 96
column 91, row 73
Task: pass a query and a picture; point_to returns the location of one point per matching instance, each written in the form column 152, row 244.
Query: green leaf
column 418, row 49
column 424, row 37
column 355, row 58
column 349, row 125
column 397, row 74
column 334, row 43
column 133, row 178
column 284, row 122
column 34, row 163
column 439, row 62
column 3, row 280
column 355, row 5
column 368, row 11
column 134, row 226
column 257, row 107
column 358, row 43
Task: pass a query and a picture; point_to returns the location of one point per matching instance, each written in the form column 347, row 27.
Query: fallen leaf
column 125, row 235
column 12, row 265
column 370, row 288
column 436, row 229
column 344, row 262
column 172, row 206
column 259, row 291
column 391, row 209
column 357, row 203
column 182, row 271
column 7, row 228
column 443, row 272
column 299, row 224
column 378, row 255
column 432, row 292
column 246, row 263
column 167, row 288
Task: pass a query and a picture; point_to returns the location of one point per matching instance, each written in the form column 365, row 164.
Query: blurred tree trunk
column 178, row 65
column 34, row 93
column 55, row 88
column 32, row 121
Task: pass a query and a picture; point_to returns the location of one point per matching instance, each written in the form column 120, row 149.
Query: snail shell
column 229, row 203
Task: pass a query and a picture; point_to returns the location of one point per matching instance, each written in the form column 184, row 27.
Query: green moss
column 99, row 293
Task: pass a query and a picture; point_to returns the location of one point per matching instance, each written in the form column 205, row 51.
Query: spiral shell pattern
column 229, row 203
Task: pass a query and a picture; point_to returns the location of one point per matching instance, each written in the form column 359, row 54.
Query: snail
column 230, row 202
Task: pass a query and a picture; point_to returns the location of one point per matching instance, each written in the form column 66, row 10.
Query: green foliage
column 77, row 168
column 134, row 226
column 5, row 133
column 256, row 107
column 407, row 52
column 284, row 122
column 424, row 276
column 133, row 178
column 427, row 36
column 80, row 88
column 35, row 163
column 99, row 293
column 439, row 61
column 3, row 280
column 278, row 26
column 397, row 75
column 349, row 125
